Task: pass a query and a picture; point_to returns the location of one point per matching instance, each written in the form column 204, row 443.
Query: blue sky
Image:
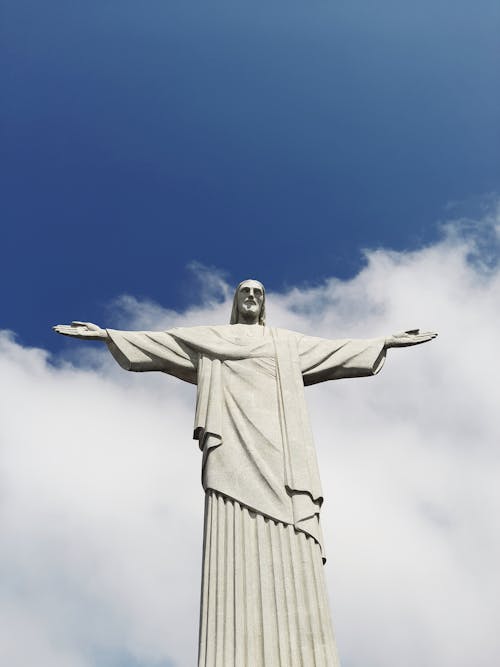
column 271, row 139
column 153, row 155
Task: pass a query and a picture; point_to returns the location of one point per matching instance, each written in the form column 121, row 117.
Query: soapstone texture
column 264, row 600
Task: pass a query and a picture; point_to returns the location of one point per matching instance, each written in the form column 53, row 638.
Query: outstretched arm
column 140, row 350
column 322, row 359
column 407, row 338
column 82, row 330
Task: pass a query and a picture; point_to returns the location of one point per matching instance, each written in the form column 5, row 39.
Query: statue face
column 250, row 300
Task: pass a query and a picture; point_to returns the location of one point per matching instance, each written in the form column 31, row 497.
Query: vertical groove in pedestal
column 263, row 601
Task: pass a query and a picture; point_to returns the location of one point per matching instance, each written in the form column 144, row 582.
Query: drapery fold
column 263, row 601
column 282, row 362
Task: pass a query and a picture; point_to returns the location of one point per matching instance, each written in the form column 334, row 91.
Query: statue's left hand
column 411, row 337
column 85, row 330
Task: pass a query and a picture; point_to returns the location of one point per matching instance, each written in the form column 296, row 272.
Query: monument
column 263, row 597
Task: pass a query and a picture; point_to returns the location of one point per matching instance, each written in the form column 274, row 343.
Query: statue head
column 249, row 303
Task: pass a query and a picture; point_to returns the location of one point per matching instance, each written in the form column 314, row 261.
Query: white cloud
column 101, row 507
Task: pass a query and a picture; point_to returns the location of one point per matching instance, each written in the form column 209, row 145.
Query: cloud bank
column 101, row 506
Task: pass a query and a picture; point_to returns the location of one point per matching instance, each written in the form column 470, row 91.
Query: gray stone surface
column 263, row 601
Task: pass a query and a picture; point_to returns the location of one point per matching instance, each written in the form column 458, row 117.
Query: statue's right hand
column 85, row 330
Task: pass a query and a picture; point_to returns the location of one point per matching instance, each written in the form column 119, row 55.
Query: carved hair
column 235, row 312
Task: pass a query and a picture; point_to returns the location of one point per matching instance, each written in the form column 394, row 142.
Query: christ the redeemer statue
column 263, row 598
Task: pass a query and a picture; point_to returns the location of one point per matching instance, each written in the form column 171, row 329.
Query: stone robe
column 263, row 600
column 251, row 419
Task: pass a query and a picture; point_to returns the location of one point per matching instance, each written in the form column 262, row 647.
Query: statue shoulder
column 201, row 335
column 199, row 329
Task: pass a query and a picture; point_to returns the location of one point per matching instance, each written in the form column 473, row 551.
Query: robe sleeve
column 141, row 351
column 322, row 359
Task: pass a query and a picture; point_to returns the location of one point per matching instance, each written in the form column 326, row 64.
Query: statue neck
column 251, row 321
